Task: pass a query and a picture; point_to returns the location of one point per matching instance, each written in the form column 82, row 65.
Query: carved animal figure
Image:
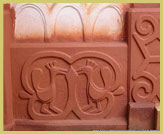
column 47, row 94
column 95, row 93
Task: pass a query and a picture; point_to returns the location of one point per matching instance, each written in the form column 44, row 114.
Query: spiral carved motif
column 145, row 84
column 146, row 32
column 145, row 25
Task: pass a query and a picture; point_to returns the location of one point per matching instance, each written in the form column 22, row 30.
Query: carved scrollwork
column 148, row 89
column 39, row 79
column 146, row 24
column 146, row 32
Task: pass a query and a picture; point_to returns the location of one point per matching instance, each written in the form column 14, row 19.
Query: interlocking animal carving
column 32, row 76
column 95, row 93
column 48, row 94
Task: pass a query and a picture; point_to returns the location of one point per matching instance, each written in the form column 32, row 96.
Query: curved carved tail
column 106, row 75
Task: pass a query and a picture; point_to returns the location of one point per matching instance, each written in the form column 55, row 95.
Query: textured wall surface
column 69, row 21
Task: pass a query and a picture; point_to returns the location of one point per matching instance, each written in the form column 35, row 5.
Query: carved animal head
column 88, row 68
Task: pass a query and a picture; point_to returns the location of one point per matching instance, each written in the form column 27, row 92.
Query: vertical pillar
column 8, row 38
column 157, row 116
column 144, row 66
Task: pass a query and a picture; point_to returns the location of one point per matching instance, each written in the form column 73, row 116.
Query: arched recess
column 30, row 23
column 68, row 24
column 107, row 24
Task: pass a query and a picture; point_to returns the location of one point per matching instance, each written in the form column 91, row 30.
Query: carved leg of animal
column 55, row 109
column 99, row 108
column 87, row 107
column 44, row 109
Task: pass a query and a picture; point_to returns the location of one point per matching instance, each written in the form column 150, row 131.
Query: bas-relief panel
column 53, row 85
column 99, row 99
column 145, row 55
column 69, row 83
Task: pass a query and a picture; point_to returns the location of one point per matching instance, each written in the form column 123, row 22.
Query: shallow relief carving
column 145, row 77
column 56, row 85
column 69, row 21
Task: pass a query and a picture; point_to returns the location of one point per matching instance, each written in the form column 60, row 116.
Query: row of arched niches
column 69, row 21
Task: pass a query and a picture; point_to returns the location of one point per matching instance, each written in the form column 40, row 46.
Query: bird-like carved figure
column 48, row 94
column 95, row 93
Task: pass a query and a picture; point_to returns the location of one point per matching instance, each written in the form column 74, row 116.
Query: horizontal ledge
column 107, row 124
column 144, row 10
column 141, row 105
column 69, row 44
column 112, row 121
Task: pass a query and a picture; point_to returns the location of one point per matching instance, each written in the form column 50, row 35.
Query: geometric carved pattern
column 39, row 78
column 145, row 78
